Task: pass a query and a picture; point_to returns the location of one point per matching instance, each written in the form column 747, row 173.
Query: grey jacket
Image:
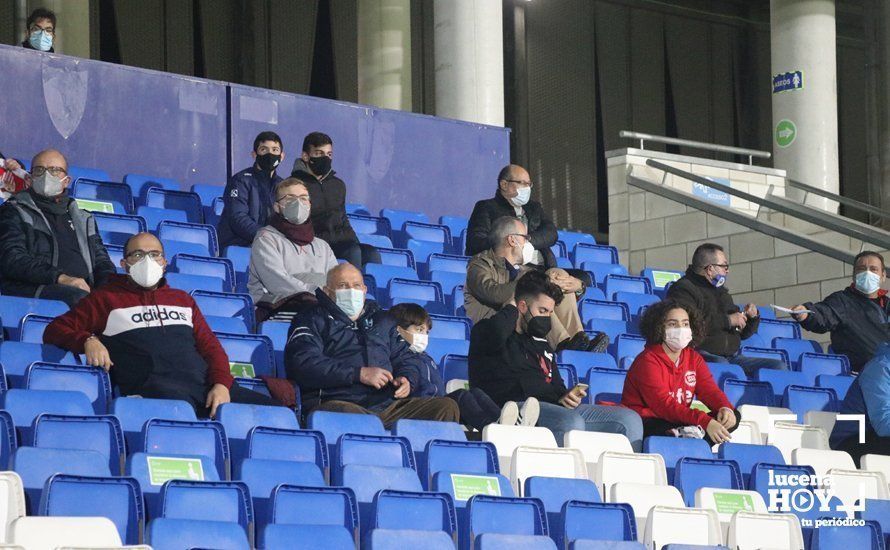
column 279, row 268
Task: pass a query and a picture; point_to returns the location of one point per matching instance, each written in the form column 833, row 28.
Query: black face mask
column 320, row 165
column 537, row 326
column 268, row 162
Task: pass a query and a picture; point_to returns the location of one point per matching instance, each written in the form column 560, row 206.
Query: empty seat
column 134, row 412
column 420, row 432
column 35, row 466
column 450, row 327
column 397, row 218
column 93, row 382
column 823, row 460
column 117, row 228
column 448, row 263
column 229, row 325
column 501, row 541
column 642, row 498
column 503, row 515
column 815, row 364
column 116, row 498
column 440, row 347
column 16, row 357
column 584, row 360
column 372, row 450
column 153, row 470
column 636, row 302
column 554, row 493
column 190, row 283
column 610, row 327
column 333, row 425
column 207, row 192
column 208, row 501
column 877, row 511
column 48, row 533
column 672, row 449
column 693, row 473
column 747, row 392
column 859, row 536
column 764, row 477
column 425, row 293
column 326, row 512
column 141, row 183
column 726, row 502
column 154, row 216
column 366, row 481
column 219, row 268
column 876, row 463
column 796, row 348
column 12, row 506
column 195, row 233
column 507, row 438
column 571, row 238
column 804, row 399
column 238, row 419
column 628, row 346
column 726, row 371
column 25, row 405
column 188, row 202
column 294, row 445
column 774, row 328
column 593, row 444
column 397, row 539
column 598, row 309
column 455, row 367
column 625, row 283
column 430, row 232
column 788, row 436
column 468, row 457
column 751, row 531
column 262, row 476
column 32, row 327
column 606, row 385
column 545, row 462
column 840, row 384
column 427, row 512
column 586, row 252
column 781, row 379
column 188, row 438
column 747, row 456
column 595, row 522
column 370, row 225
column 766, row 353
column 389, row 255
column 850, row 486
column 666, row 525
column 616, row 467
column 250, row 349
column 189, row 533
column 102, row 434
column 660, row 278
column 118, row 194
column 382, row 274
column 14, row 308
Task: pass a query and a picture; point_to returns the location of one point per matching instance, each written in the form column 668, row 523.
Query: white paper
column 786, row 310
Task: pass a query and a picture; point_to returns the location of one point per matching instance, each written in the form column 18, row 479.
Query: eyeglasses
column 724, row 266
column 48, row 30
column 57, row 171
column 522, row 183
column 524, row 236
column 139, row 254
column 287, row 199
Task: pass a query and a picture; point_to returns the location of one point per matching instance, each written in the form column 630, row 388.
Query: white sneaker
column 530, row 412
column 509, row 414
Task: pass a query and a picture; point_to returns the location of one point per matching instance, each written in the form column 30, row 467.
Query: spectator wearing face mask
column 668, row 374
column 50, row 248
column 41, row 26
column 286, row 257
column 151, row 338
column 328, row 194
column 477, row 410
column 250, row 193
column 858, row 316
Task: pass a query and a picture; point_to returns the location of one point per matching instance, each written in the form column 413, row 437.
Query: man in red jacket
column 153, row 339
column 665, row 377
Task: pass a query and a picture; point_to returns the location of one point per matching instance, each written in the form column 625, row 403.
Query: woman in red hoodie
column 665, row 377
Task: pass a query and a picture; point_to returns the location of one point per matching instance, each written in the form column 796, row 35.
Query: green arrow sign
column 786, row 132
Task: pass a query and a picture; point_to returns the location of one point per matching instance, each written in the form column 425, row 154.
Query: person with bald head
column 151, row 338
column 348, row 356
column 50, row 247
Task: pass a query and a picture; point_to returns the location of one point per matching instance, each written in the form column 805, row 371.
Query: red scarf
column 300, row 235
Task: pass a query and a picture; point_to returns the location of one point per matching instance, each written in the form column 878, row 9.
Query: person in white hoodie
column 286, row 258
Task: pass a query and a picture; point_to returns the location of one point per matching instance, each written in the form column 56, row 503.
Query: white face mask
column 523, row 194
column 528, row 252
column 351, row 301
column 419, row 342
column 867, row 282
column 146, row 272
column 677, row 338
column 48, row 185
column 296, row 212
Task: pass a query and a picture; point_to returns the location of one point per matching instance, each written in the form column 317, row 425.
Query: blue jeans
column 749, row 364
column 592, row 418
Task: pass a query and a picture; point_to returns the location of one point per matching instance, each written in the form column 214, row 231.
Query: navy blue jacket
column 248, row 198
column 326, row 351
column 869, row 395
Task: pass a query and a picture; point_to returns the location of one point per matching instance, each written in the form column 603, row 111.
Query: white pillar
column 805, row 134
column 384, row 53
column 469, row 60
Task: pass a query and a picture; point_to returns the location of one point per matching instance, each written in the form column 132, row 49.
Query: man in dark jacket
column 152, row 339
column 858, row 316
column 510, row 360
column 250, row 193
column 41, row 26
column 50, row 248
column 328, row 195
column 703, row 288
column 347, row 356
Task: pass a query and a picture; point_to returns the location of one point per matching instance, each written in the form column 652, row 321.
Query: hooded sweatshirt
column 655, row 387
column 158, row 339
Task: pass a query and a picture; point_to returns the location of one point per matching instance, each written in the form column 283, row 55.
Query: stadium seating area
column 114, row 470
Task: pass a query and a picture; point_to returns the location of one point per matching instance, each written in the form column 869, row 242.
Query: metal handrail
column 846, row 201
column 750, row 153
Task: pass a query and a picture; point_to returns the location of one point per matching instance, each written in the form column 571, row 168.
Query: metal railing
column 846, row 201
column 750, row 153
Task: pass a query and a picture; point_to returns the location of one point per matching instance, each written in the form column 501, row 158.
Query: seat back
column 606, row 385
column 628, row 346
column 196, row 233
column 555, row 493
column 93, row 382
column 419, row 511
column 795, row 347
column 134, row 412
column 766, row 353
column 190, row 533
column 507, row 438
column 220, row 268
column 586, row 252
column 724, row 371
column 57, row 532
column 746, row 392
column 207, row 192
column 154, row 216
column 334, row 424
column 371, row 450
column 860, row 536
column 781, row 379
column 118, row 194
column 470, row 457
column 769, row 329
column 626, row 283
column 450, row 327
column 13, row 308
column 8, row 439
column 804, row 399
column 601, row 521
column 584, row 360
column 672, row 449
column 36, row 465
column 593, row 444
column 12, row 505
column 397, row 218
column 116, row 498
column 788, row 436
column 852, row 486
column 545, row 462
column 642, row 498
column 747, row 456
column 600, row 309
column 262, row 476
column 614, row 467
column 752, row 530
column 227, row 501
column 726, row 502
column 102, row 434
column 25, row 405
column 335, row 506
column 16, row 357
column 293, row 445
column 505, row 515
column 666, row 525
column 823, row 460
column 180, row 437
column 815, row 364
column 239, row 419
column 766, row 477
column 250, row 349
column 694, row 473
column 188, row 202
column 32, row 327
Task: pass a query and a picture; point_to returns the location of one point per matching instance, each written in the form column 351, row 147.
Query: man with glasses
column 703, row 287
column 858, row 316
column 152, row 339
column 286, row 257
column 50, row 247
column 41, row 30
column 491, row 282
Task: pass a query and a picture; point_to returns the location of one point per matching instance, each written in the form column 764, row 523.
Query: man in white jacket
column 286, row 258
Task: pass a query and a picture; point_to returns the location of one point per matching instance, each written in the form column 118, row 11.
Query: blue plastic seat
column 840, row 384
column 195, row 233
column 456, row 224
column 36, row 465
column 428, row 512
column 560, row 252
column 659, row 278
column 600, row 270
column 116, row 498
column 448, row 280
column 102, row 434
column 227, row 501
column 14, row 308
column 226, row 304
column 795, row 347
column 293, row 445
column 262, row 476
column 420, row 433
column 802, row 399
column 239, row 419
column 860, row 536
column 213, row 213
column 397, row 218
column 571, row 238
column 141, row 183
column 814, row 365
column 748, row 392
column 370, row 225
column 277, row 332
column 117, row 228
column 397, row 539
column 762, row 473
column 470, row 457
column 425, row 293
column 448, row 480
column 628, row 345
column 597, row 309
column 219, row 268
column 240, row 257
column 693, row 473
column 117, row 194
column 367, row 480
column 586, row 252
column 16, row 357
column 769, row 329
column 503, row 515
column 724, row 371
column 207, row 192
column 382, row 274
column 594, row 293
column 259, row 386
column 626, row 283
column 85, row 172
column 154, row 216
column 635, row 302
column 569, row 374
column 372, row 450
column 396, row 257
column 554, row 493
column 188, row 202
column 440, row 347
column 188, row 438
column 93, row 382
column 584, row 360
column 134, row 412
column 606, row 385
column 611, row 327
column 454, row 367
column 781, row 379
column 448, row 262
column 314, row 516
column 765, row 353
column 32, row 326
column 422, row 250
column 334, row 424
column 253, row 349
column 450, row 327
column 380, row 242
column 191, row 283
column 138, row 466
column 229, row 325
column 672, row 449
column 190, row 533
column 357, row 208
column 8, row 439
column 747, row 456
column 877, row 511
column 597, row 521
column 25, row 405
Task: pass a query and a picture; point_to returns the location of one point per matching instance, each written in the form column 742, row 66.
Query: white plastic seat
column 456, row 384
column 667, row 525
column 821, row 419
column 747, row 432
column 12, row 501
column 787, row 436
column 876, row 463
column 765, row 418
column 49, row 533
column 726, row 502
column 507, row 438
column 642, row 498
column 545, row 462
column 853, row 485
column 822, row 460
column 613, row 467
column 593, row 444
column 753, row 531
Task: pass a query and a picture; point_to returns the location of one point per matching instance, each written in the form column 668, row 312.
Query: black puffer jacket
column 716, row 305
column 328, row 212
column 541, row 230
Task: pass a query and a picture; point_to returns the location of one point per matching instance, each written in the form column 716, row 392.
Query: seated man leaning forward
column 348, row 357
column 152, row 339
column 511, row 360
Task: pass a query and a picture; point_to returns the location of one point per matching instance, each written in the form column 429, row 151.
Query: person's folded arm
column 490, row 335
column 70, row 330
column 485, row 288
column 306, row 362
